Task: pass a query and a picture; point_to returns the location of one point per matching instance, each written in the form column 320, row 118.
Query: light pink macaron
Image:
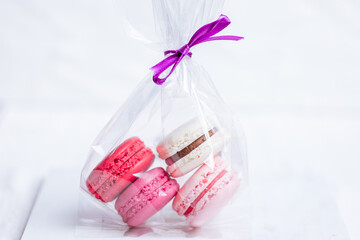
column 146, row 196
column 205, row 192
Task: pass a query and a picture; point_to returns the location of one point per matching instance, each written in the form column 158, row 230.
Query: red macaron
column 116, row 171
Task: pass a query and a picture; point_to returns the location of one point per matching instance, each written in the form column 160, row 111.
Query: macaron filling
column 185, row 151
column 207, row 188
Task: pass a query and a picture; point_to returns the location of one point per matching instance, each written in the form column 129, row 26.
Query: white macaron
column 189, row 145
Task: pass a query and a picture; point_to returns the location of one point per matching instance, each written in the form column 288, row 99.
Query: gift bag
column 171, row 162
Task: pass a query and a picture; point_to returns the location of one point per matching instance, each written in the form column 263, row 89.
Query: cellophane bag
column 181, row 133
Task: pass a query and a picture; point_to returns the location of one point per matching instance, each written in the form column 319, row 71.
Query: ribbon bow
column 203, row 34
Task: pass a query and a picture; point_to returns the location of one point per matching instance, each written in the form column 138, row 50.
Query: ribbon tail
column 229, row 37
column 209, row 30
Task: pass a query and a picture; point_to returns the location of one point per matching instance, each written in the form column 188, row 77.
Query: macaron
column 205, row 192
column 146, row 196
column 189, row 145
column 116, row 171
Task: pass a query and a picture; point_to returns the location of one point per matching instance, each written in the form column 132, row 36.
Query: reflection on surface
column 138, row 231
column 204, row 232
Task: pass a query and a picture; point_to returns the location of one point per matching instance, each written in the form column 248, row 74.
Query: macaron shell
column 150, row 181
column 158, row 200
column 123, row 152
column 211, row 203
column 119, row 180
column 112, row 162
column 195, row 185
column 196, row 157
column 184, row 135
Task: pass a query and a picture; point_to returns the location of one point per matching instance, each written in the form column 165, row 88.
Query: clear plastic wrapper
column 171, row 162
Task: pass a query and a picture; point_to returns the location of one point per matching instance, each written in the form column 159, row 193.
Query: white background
column 66, row 66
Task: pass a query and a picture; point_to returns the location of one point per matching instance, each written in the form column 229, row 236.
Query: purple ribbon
column 204, row 34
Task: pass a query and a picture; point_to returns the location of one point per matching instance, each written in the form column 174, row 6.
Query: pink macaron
column 116, row 171
column 146, row 196
column 205, row 192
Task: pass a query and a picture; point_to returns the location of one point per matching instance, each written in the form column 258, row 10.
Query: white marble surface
column 303, row 166
column 292, row 208
column 66, row 66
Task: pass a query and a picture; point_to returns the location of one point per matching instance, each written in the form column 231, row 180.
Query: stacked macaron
column 189, row 145
column 138, row 198
column 185, row 149
column 205, row 192
column 210, row 187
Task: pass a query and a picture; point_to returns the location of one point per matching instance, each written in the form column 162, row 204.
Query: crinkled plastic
column 152, row 113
